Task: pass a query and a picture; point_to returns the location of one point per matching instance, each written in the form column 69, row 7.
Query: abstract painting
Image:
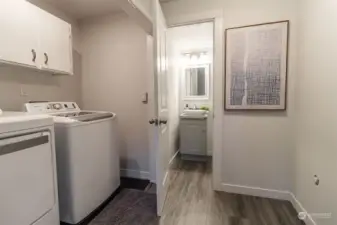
column 256, row 67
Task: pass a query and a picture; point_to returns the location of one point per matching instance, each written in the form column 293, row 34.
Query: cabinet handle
column 34, row 55
column 46, row 58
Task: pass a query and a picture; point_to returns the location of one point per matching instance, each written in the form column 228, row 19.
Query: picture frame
column 256, row 66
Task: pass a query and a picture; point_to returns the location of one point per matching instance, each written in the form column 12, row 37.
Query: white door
column 19, row 32
column 55, row 47
column 161, row 106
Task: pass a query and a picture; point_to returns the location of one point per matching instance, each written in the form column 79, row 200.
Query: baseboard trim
column 144, row 175
column 299, row 208
column 255, row 191
column 269, row 193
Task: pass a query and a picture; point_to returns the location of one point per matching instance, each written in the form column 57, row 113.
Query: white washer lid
column 18, row 121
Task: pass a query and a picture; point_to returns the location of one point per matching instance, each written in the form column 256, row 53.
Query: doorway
column 185, row 67
column 190, row 53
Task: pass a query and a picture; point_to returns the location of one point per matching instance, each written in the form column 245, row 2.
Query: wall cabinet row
column 34, row 38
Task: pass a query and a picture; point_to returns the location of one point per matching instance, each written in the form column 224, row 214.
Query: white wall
column 40, row 86
column 114, row 79
column 184, row 39
column 258, row 147
column 316, row 109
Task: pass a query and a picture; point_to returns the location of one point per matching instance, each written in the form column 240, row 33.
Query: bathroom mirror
column 196, row 82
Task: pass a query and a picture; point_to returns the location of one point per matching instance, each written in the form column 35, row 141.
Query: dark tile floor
column 132, row 183
column 126, row 183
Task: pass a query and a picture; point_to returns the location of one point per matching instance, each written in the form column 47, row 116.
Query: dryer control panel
column 51, row 107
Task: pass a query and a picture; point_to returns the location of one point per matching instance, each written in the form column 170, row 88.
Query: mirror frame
column 207, row 77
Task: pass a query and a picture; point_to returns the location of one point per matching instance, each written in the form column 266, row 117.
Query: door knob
column 162, row 121
column 153, row 121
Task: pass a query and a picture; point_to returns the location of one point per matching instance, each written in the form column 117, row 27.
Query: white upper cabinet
column 55, row 44
column 19, row 33
column 32, row 37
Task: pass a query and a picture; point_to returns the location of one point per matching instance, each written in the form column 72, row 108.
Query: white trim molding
column 299, row 208
column 143, row 175
column 256, row 191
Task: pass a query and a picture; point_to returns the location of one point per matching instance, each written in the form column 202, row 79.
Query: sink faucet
column 195, row 106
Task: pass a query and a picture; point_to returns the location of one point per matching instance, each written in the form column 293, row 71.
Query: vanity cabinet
column 193, row 136
column 34, row 38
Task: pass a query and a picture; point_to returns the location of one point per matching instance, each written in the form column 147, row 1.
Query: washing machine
column 28, row 177
column 87, row 157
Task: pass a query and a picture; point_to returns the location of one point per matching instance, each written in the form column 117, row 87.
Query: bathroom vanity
column 193, row 132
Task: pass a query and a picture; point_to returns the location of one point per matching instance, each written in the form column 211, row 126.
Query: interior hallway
column 191, row 200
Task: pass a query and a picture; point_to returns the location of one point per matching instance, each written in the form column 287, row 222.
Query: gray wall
column 114, row 79
column 316, row 109
column 38, row 86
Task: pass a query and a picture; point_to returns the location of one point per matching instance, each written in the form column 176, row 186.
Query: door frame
column 218, row 83
column 151, row 107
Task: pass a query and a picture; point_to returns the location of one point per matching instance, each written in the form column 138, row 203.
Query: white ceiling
column 194, row 37
column 80, row 9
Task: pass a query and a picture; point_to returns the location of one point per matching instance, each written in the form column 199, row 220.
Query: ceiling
column 80, row 9
column 194, row 37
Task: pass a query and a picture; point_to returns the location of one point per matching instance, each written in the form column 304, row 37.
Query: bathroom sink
column 194, row 113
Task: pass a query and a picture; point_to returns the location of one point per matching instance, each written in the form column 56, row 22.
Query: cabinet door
column 193, row 137
column 18, row 32
column 55, row 44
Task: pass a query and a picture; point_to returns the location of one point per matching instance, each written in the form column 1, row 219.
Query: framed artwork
column 256, row 67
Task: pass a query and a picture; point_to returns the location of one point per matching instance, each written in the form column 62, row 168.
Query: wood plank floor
column 191, row 201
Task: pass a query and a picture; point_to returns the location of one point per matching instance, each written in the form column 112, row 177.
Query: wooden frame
column 276, row 67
